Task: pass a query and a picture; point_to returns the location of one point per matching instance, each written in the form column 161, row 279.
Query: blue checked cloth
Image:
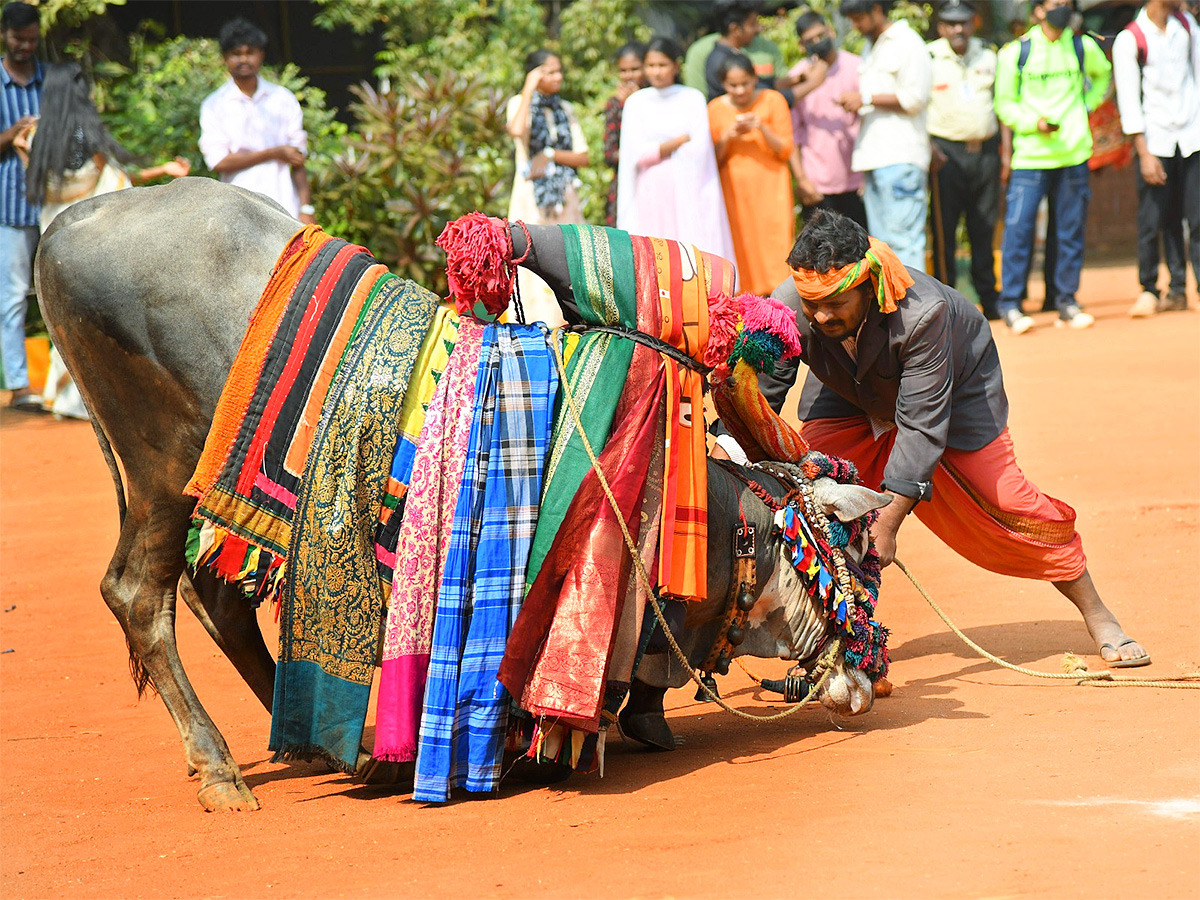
column 465, row 715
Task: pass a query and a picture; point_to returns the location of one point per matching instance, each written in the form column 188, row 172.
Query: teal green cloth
column 602, row 279
column 331, row 609
column 1050, row 87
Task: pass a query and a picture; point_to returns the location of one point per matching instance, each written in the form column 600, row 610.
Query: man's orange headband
column 892, row 280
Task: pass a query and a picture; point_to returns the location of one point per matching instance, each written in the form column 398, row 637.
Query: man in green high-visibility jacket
column 1046, row 83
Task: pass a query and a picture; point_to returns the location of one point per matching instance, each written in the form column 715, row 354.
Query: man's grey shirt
column 931, row 368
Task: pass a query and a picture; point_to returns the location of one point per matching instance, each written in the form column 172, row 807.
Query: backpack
column 1139, row 36
column 1023, row 57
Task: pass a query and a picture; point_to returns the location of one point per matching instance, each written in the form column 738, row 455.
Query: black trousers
column 967, row 185
column 1162, row 210
column 849, row 204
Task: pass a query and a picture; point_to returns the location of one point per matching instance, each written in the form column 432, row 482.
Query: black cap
column 957, row 11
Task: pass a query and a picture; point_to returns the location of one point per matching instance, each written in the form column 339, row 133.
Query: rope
column 825, row 662
column 1099, row 679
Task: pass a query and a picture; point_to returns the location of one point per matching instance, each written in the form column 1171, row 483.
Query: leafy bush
column 424, row 152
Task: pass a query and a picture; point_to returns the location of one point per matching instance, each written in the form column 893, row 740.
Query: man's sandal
column 1119, row 663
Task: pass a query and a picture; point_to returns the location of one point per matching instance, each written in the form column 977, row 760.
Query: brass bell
column 745, row 600
column 723, row 665
column 735, row 635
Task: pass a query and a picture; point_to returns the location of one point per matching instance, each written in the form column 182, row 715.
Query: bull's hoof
column 883, row 687
column 225, row 796
column 647, row 728
column 377, row 771
column 533, row 772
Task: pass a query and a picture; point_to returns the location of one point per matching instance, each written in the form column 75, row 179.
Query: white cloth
column 231, row 122
column 1162, row 100
column 960, row 103
column 679, row 197
column 897, row 63
column 89, row 180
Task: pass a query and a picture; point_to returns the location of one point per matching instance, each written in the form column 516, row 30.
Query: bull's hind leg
column 140, row 589
column 232, row 623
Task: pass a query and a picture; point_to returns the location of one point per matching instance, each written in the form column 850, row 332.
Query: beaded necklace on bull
column 748, row 335
column 481, row 272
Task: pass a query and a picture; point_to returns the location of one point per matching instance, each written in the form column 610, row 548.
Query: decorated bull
column 147, row 294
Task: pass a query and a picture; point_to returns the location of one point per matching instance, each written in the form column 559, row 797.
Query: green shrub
column 423, row 153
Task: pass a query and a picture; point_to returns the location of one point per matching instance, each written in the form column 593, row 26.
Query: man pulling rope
column 905, row 381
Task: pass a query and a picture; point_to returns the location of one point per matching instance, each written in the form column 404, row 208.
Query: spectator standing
column 20, row 101
column 965, row 166
column 825, row 132
column 251, row 130
column 550, row 148
column 1156, row 66
column 738, row 30
column 1046, row 83
column 667, row 181
column 752, row 138
column 71, row 156
column 629, row 79
column 892, row 148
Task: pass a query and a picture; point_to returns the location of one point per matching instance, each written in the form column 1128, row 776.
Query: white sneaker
column 1071, row 316
column 1017, row 321
column 1145, row 305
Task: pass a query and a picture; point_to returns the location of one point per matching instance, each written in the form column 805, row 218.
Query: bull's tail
column 110, row 458
column 137, row 669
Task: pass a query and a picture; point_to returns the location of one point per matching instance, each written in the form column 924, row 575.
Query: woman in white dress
column 550, row 147
column 667, row 180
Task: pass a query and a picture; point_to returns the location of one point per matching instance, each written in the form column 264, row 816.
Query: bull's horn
column 847, row 502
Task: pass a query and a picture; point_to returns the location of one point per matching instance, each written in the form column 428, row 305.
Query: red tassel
column 478, row 262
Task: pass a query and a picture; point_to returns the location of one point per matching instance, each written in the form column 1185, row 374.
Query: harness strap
column 646, row 340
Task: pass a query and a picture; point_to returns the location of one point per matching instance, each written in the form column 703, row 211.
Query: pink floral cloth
column 421, row 549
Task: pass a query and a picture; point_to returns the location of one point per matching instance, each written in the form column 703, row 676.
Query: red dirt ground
column 969, row 781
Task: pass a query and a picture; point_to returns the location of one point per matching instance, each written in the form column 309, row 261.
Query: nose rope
column 825, row 664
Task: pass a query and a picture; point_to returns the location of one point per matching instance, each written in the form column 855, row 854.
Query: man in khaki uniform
column 965, row 169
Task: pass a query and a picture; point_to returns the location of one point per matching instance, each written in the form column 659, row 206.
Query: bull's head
column 798, row 623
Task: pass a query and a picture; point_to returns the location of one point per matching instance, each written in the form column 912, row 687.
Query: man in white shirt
column 252, row 131
column 1156, row 67
column 892, row 149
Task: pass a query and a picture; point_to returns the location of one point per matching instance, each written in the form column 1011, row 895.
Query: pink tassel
column 723, row 322
column 773, row 316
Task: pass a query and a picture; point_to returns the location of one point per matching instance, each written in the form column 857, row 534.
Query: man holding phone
column 1046, row 84
column 20, row 102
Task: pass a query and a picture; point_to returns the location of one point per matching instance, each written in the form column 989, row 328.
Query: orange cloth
column 758, row 190
column 983, row 507
column 881, row 264
column 239, row 386
column 687, row 277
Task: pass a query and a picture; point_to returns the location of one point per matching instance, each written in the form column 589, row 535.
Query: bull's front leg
column 643, row 718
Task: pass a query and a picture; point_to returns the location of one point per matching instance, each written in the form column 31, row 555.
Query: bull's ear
column 847, row 502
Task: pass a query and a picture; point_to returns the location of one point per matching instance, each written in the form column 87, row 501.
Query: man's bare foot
column 1116, row 648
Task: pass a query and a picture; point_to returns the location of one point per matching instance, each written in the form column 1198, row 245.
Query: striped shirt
column 16, row 100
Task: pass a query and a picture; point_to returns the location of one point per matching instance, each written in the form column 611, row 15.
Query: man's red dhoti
column 983, row 507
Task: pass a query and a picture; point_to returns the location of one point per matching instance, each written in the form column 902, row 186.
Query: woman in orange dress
column 752, row 130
